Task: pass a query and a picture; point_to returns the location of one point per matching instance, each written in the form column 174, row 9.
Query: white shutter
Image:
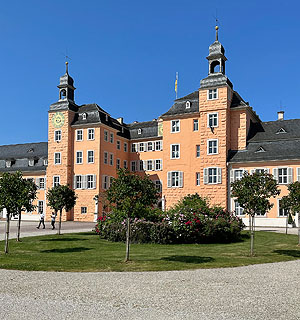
column 298, row 174
column 205, row 176
column 252, row 171
column 94, row 181
column 169, row 179
column 145, row 165
column 267, row 170
column 37, row 182
column 45, row 183
column 161, row 145
column 219, row 175
column 275, row 174
column 84, row 182
column 153, row 165
column 74, row 182
column 231, row 175
column 180, row 179
column 290, row 175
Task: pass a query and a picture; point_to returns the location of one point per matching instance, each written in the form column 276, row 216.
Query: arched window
column 215, row 67
column 63, row 94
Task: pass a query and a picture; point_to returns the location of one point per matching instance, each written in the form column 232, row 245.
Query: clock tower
column 60, row 138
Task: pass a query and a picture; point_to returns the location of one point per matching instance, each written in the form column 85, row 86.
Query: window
column 105, row 182
column 212, row 120
column 212, row 146
column 40, row 206
column 238, row 174
column 141, row 166
column 125, row 164
column 91, row 134
column 149, row 165
column 79, row 157
column 141, row 147
column 90, row 156
column 105, row 157
column 175, row 151
column 158, row 145
column 139, row 131
column 91, row 181
column 57, row 135
column 118, row 164
column 282, row 212
column 158, row 164
column 150, row 146
column 83, row 210
column 31, row 162
column 212, row 175
column 158, row 185
column 125, row 146
column 56, row 181
column 283, row 175
column 111, row 159
column 79, row 135
column 197, row 151
column 239, row 211
column 84, row 115
column 105, row 135
column 197, row 178
column 118, row 144
column 175, row 179
column 212, row 94
column 57, row 158
column 45, row 162
column 134, row 147
column 195, row 125
column 8, row 163
column 111, row 138
column 111, row 179
column 188, row 105
column 78, row 182
column 175, row 126
column 133, row 166
column 41, row 183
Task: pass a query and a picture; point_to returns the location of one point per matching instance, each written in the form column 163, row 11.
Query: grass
column 86, row 252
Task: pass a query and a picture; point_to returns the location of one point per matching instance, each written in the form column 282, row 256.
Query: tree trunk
column 127, row 239
column 19, row 227
column 298, row 228
column 286, row 224
column 7, row 232
column 252, row 237
column 59, row 225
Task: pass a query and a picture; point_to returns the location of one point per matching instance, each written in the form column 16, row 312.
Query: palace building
column 206, row 140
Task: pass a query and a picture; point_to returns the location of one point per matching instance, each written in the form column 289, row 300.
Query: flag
column 176, row 83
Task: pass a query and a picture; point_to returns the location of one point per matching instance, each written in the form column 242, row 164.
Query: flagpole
column 176, row 83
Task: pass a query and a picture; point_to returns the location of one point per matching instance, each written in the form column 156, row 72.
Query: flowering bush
column 192, row 220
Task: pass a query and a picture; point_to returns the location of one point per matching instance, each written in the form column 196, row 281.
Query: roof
column 269, row 141
column 148, row 129
column 179, row 106
column 237, row 100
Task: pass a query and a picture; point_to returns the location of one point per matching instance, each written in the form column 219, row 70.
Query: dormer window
column 45, row 162
column 8, row 163
column 139, row 131
column 83, row 115
column 106, row 117
column 30, row 150
column 63, row 94
column 281, row 130
column 188, row 105
column 260, row 149
column 31, row 162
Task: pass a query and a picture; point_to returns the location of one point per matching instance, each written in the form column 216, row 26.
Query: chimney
column 120, row 120
column 280, row 115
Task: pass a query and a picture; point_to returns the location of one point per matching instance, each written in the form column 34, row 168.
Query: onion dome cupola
column 216, row 66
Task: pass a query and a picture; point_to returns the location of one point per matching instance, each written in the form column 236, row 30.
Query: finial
column 67, row 63
column 217, row 28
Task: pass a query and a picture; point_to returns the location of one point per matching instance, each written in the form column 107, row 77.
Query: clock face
column 58, row 120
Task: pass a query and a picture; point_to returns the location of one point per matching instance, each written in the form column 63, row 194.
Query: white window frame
column 91, row 183
column 195, row 124
column 149, row 165
column 83, row 210
column 218, row 175
column 150, row 146
column 214, row 119
column 158, row 185
column 56, row 183
column 111, row 159
column 125, row 164
column 278, row 210
column 105, row 135
column 57, row 135
column 259, row 170
column 176, row 152
column 176, row 127
column 157, row 164
column 78, row 181
column 87, row 156
column 78, row 132
column 91, row 134
column 105, row 182
column 59, row 158
column 212, row 94
column 31, row 162
column 111, row 137
column 41, row 184
column 142, row 147
column 198, row 178
column 175, row 179
column 41, row 205
column 142, row 165
column 158, row 145
column 213, row 147
column 134, row 147
column 77, row 152
column 198, row 149
column 289, row 175
column 238, row 212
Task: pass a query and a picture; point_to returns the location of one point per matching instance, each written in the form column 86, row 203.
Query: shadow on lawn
column 63, row 239
column 65, row 250
column 291, row 253
column 188, row 259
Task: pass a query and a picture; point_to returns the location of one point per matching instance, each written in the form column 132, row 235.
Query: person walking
column 53, row 216
column 42, row 220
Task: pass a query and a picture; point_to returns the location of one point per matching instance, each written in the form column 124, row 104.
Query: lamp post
column 96, row 199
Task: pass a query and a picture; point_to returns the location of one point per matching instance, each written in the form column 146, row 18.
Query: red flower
column 188, row 223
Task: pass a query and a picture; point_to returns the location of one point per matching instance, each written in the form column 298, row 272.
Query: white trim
column 56, row 131
column 213, row 113
column 210, row 140
column 55, row 153
column 105, row 132
column 81, row 157
column 278, row 199
column 212, row 94
column 172, row 126
column 87, row 158
column 118, row 143
column 54, row 178
column 76, row 134
column 171, row 152
column 88, row 133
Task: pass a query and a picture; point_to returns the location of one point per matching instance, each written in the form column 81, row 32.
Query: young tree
column 253, row 193
column 16, row 195
column 129, row 194
column 59, row 198
column 291, row 202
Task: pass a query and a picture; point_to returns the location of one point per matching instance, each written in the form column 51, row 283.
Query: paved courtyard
column 266, row 291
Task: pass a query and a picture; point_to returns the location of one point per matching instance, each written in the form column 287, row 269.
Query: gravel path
column 266, row 291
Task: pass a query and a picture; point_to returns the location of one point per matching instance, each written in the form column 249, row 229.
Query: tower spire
column 67, row 67
column 217, row 28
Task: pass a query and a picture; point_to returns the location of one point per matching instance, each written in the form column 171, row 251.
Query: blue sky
column 124, row 56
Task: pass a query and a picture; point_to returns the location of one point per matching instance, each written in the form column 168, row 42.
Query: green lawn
column 86, row 252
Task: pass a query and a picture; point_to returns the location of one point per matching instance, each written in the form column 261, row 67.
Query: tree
column 130, row 194
column 291, row 202
column 16, row 195
column 253, row 193
column 61, row 197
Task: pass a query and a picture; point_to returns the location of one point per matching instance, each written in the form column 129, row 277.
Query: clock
column 58, row 120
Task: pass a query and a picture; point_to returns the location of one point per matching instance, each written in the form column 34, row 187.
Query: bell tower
column 66, row 87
